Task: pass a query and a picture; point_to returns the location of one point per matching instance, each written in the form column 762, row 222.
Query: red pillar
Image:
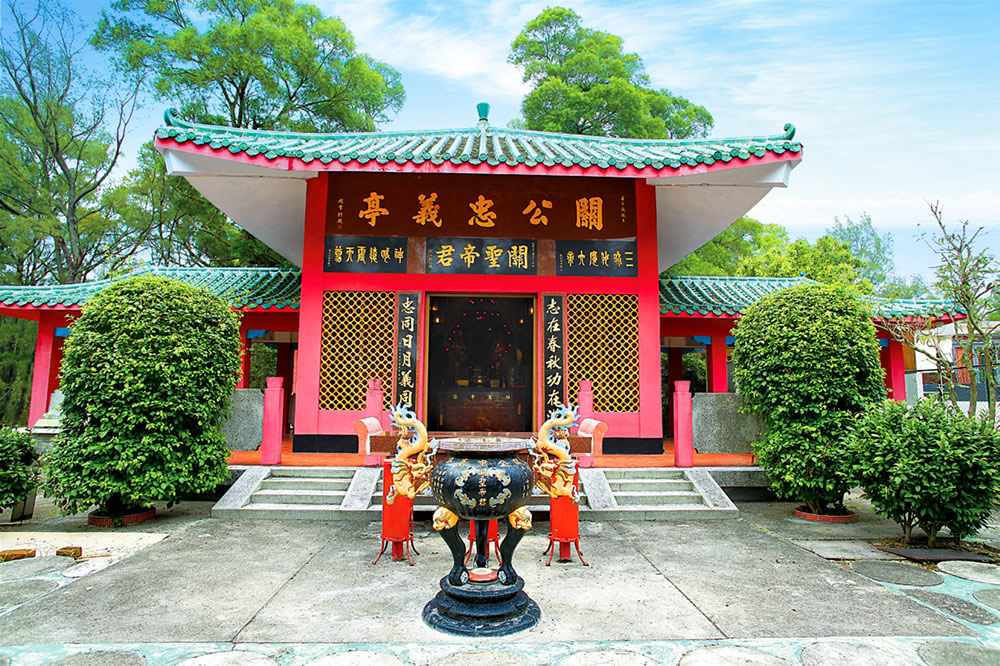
column 41, row 378
column 895, row 371
column 274, row 415
column 718, row 381
column 56, row 365
column 683, row 436
column 284, row 370
column 311, row 309
column 650, row 372
column 244, row 380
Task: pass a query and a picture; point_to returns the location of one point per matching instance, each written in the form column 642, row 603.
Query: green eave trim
column 245, row 288
column 705, row 296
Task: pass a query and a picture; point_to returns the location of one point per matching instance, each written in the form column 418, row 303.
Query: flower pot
column 23, row 509
column 128, row 519
column 803, row 512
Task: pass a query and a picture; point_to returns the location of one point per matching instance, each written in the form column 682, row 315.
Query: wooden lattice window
column 357, row 345
column 602, row 341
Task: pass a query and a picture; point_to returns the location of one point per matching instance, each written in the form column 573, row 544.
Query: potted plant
column 807, row 360
column 18, row 473
column 146, row 375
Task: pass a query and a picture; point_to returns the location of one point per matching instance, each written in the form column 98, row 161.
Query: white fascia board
column 772, row 174
column 181, row 163
column 268, row 203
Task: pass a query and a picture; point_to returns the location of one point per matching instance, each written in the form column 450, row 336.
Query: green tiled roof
column 479, row 145
column 254, row 288
column 730, row 296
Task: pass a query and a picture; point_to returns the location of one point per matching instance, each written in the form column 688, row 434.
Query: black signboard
column 365, row 254
column 489, row 256
column 407, row 318
column 597, row 258
column 554, row 350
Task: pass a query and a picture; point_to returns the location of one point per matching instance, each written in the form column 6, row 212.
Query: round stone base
column 482, row 609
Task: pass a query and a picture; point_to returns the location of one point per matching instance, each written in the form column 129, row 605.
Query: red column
column 895, row 371
column 245, row 356
column 274, row 415
column 718, row 381
column 675, row 373
column 585, row 399
column 284, row 370
column 683, row 439
column 311, row 309
column 55, row 366
column 650, row 377
column 41, row 378
column 374, row 400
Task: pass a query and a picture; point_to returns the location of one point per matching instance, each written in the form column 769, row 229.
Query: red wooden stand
column 397, row 520
column 493, row 538
column 564, row 524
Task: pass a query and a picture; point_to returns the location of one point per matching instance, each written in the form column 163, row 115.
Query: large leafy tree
column 828, row 260
column 583, row 82
column 260, row 64
column 61, row 133
column 744, row 238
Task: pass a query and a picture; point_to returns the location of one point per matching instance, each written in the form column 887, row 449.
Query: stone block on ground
column 70, row 551
column 244, row 427
column 719, row 427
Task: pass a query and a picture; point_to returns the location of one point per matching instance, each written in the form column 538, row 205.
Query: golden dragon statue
column 554, row 467
column 414, row 461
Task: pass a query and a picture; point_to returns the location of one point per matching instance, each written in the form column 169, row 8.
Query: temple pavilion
column 482, row 275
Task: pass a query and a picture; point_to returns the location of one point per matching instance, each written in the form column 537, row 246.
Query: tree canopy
column 583, row 82
column 746, row 237
column 260, row 64
column 828, row 260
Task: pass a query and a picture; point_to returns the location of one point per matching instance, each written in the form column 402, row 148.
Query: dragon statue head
column 412, row 466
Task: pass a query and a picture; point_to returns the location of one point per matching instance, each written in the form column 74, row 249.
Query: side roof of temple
column 279, row 289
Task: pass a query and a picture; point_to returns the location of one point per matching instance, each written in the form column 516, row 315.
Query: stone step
column 280, row 511
column 647, row 485
column 663, row 512
column 297, row 483
column 643, row 473
column 658, row 498
column 316, row 497
column 314, row 472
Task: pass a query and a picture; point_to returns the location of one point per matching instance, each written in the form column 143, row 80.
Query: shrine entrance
column 480, row 363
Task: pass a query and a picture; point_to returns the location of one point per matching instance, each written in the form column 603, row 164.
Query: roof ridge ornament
column 789, row 131
column 171, row 120
column 483, row 109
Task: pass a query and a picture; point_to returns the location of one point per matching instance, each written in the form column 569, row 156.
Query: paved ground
column 189, row 589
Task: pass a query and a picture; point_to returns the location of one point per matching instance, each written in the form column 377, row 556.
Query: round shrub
column 806, row 360
column 18, row 473
column 146, row 377
column 929, row 466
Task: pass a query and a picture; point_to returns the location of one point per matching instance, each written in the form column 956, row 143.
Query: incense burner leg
column 520, row 523
column 482, row 543
column 446, row 523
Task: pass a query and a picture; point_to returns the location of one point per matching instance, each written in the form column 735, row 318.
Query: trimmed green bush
column 929, row 466
column 806, row 360
column 18, row 471
column 146, row 376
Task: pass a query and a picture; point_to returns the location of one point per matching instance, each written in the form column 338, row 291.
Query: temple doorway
column 480, row 363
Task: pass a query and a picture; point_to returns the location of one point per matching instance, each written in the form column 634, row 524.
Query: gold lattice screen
column 357, row 344
column 602, row 341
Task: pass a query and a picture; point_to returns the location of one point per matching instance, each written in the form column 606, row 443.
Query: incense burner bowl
column 482, row 478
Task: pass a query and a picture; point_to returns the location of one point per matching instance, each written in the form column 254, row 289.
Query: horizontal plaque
column 611, row 258
column 365, row 254
column 482, row 256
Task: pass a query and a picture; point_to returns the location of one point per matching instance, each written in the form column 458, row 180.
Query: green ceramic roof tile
column 253, row 288
column 730, row 296
column 479, row 145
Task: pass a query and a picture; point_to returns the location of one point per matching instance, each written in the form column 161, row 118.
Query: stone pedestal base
column 482, row 609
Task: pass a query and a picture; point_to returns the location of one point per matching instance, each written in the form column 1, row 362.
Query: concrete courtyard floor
column 763, row 588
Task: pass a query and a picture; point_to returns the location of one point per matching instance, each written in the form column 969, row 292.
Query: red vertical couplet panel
column 274, row 416
column 41, row 378
column 650, row 402
column 895, row 371
column 683, row 436
column 311, row 309
column 718, row 380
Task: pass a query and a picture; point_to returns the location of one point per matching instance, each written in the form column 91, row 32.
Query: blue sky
column 897, row 102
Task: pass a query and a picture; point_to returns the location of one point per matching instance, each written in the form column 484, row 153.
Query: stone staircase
column 355, row 493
